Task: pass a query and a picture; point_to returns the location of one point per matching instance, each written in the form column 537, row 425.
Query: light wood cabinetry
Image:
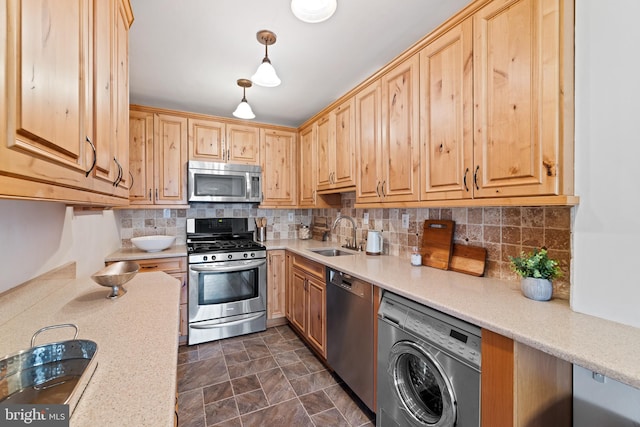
column 307, row 173
column 389, row 169
column 65, row 65
column 306, row 301
column 276, row 280
column 522, row 386
column 216, row 141
column 446, row 109
column 277, row 156
column 158, row 159
column 336, row 148
column 175, row 267
column 509, row 61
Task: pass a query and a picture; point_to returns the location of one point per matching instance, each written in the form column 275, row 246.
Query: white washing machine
column 428, row 367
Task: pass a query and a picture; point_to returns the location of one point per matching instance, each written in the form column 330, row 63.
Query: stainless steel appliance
column 350, row 343
column 428, row 367
column 224, row 182
column 227, row 279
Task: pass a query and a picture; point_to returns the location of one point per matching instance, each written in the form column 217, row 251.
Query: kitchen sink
column 330, row 252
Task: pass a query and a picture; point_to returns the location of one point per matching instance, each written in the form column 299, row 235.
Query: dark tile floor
column 263, row 379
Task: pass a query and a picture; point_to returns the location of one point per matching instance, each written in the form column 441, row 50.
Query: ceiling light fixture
column 266, row 74
column 313, row 11
column 244, row 109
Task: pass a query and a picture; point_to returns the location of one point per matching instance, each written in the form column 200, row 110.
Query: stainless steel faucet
column 350, row 244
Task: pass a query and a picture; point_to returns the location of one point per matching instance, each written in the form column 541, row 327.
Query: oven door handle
column 217, row 324
column 228, row 268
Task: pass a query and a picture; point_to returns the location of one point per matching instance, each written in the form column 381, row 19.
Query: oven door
column 225, row 289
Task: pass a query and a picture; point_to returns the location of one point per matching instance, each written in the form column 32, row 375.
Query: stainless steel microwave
column 224, row 182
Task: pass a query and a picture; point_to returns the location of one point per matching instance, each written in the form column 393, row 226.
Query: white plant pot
column 536, row 289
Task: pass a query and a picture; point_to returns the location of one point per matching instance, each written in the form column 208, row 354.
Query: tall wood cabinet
column 217, row 141
column 389, row 168
column 522, row 386
column 65, row 65
column 307, row 172
column 158, row 159
column 512, row 61
column 277, row 157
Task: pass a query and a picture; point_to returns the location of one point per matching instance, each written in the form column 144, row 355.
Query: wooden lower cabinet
column 276, row 278
column 522, row 386
column 306, row 306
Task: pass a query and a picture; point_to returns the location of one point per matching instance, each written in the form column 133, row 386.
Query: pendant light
column 266, row 75
column 244, row 109
column 313, row 11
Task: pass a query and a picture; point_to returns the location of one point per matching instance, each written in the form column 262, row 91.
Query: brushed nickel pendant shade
column 243, row 111
column 266, row 75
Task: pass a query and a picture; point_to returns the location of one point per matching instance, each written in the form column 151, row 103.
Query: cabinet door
column 243, row 144
column 141, row 157
column 324, row 153
column 368, row 143
column 446, row 99
column 47, row 74
column 307, row 173
column 344, row 173
column 277, row 154
column 206, row 140
column 400, row 132
column 276, row 284
column 121, row 95
column 517, row 98
column 170, row 159
column 317, row 309
column 298, row 295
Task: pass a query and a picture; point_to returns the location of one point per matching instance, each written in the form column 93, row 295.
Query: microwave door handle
column 226, row 268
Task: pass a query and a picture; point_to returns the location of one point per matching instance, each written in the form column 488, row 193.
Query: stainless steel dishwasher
column 350, row 341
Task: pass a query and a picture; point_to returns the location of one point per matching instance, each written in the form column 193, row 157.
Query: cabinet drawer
column 311, row 267
column 168, row 265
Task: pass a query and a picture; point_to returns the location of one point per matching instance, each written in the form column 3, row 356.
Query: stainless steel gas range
column 227, row 279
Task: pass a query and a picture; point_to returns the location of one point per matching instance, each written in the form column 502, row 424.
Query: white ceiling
column 187, row 55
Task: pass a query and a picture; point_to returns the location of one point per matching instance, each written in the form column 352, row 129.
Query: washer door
column 422, row 386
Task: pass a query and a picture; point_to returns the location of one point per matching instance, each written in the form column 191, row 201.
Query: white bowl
column 153, row 243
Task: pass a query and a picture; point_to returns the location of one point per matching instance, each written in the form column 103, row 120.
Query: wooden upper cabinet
column 518, row 119
column 400, row 132
column 158, row 159
column 325, row 153
column 446, row 109
column 369, row 143
column 111, row 94
column 216, row 141
column 63, row 93
column 336, row 148
column 307, row 172
column 344, row 130
column 170, row 159
column 277, row 154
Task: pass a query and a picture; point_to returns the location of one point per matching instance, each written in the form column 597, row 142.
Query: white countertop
column 597, row 344
column 137, row 336
column 126, row 254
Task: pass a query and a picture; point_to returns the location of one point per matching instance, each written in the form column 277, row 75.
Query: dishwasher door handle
column 349, row 288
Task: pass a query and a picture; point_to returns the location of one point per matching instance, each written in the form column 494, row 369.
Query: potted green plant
column 537, row 271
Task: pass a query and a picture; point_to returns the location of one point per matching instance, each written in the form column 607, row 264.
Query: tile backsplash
column 503, row 231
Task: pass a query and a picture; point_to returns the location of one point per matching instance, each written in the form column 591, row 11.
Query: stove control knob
column 229, row 256
column 253, row 254
column 245, row 255
column 213, row 258
column 204, row 258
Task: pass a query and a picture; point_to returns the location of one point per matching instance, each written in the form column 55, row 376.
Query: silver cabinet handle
column 95, row 157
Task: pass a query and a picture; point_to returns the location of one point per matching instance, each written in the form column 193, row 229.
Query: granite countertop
column 126, row 254
column 597, row 344
column 137, row 336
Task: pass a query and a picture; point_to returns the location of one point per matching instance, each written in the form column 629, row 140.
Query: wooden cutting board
column 437, row 243
column 468, row 260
